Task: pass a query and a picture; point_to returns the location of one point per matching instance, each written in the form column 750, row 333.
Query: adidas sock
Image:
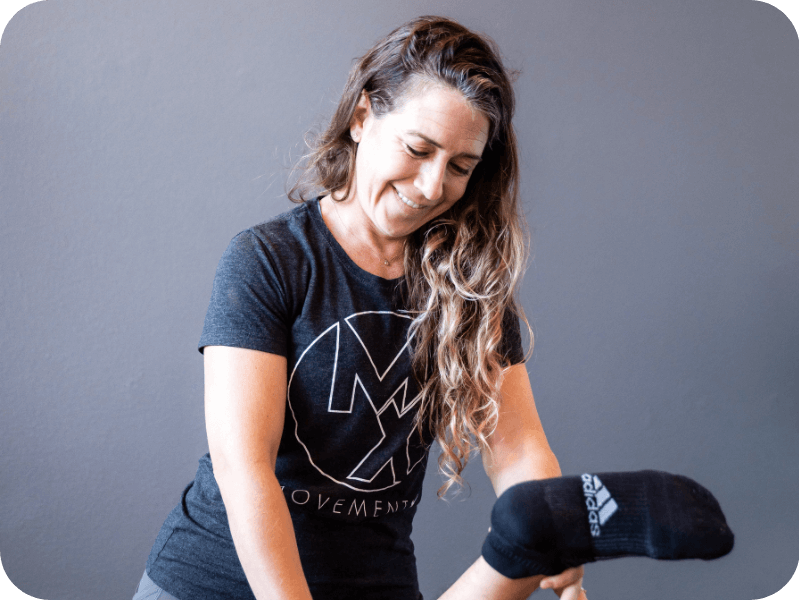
column 543, row 527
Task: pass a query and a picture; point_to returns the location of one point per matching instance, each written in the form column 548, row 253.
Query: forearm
column 482, row 582
column 263, row 534
column 518, row 451
column 508, row 465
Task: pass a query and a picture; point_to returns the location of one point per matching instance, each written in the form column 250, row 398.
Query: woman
column 342, row 337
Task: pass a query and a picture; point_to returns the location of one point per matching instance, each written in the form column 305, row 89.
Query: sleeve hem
column 249, row 343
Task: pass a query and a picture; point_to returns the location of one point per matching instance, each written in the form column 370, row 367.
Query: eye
column 414, row 152
column 460, row 170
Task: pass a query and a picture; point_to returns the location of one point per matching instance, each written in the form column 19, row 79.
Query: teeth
column 406, row 200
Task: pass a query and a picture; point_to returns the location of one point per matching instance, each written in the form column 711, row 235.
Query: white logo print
column 598, row 501
column 357, row 371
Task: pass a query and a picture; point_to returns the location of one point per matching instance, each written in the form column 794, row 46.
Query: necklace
column 386, row 261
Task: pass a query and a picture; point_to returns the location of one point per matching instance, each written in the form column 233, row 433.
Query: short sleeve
column 511, row 344
column 248, row 307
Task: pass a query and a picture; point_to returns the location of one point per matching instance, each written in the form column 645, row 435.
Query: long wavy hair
column 462, row 268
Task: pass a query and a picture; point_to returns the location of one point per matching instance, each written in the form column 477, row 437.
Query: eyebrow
column 438, row 145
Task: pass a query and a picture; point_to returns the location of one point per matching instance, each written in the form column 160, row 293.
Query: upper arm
column 518, row 447
column 245, row 405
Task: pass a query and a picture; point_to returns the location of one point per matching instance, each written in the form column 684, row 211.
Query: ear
column 362, row 113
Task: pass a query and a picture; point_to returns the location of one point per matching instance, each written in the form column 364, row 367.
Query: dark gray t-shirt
column 350, row 461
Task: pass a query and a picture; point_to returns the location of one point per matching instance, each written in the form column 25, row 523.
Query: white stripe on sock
column 608, row 509
column 602, row 496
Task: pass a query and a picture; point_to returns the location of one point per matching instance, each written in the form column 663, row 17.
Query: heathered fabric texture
column 350, row 460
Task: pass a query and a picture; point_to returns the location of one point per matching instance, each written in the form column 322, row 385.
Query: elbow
column 526, row 464
column 232, row 468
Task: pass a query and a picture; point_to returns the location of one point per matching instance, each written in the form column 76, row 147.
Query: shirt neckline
column 315, row 210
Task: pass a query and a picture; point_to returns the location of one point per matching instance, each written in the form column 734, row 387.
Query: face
column 414, row 163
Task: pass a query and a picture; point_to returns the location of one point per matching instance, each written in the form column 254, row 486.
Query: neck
column 372, row 252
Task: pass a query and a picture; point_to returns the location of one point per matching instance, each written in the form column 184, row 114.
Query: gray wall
column 659, row 148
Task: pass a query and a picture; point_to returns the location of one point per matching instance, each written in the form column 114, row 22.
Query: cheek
column 448, row 203
column 376, row 163
column 368, row 170
column 455, row 190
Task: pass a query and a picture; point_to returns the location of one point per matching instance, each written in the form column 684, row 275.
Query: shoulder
column 260, row 279
column 293, row 226
column 285, row 238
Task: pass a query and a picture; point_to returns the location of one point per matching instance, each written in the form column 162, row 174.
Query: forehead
column 443, row 115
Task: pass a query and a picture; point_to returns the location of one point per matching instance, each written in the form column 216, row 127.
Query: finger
column 564, row 579
column 572, row 592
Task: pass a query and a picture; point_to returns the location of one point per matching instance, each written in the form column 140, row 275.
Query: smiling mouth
column 405, row 200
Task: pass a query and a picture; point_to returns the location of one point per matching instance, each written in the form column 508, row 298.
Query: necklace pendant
column 386, row 262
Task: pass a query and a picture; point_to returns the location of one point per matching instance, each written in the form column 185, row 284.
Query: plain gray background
column 659, row 151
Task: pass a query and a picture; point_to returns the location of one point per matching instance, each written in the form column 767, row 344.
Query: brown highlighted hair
column 463, row 267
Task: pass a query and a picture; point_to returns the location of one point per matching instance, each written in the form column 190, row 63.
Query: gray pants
column 148, row 590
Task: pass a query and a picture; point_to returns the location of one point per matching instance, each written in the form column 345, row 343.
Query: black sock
column 544, row 526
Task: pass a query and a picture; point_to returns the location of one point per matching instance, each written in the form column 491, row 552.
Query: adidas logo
column 599, row 502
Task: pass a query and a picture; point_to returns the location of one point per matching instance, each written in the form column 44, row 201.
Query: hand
column 567, row 584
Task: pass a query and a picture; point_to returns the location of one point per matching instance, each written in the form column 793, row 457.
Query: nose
column 430, row 179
